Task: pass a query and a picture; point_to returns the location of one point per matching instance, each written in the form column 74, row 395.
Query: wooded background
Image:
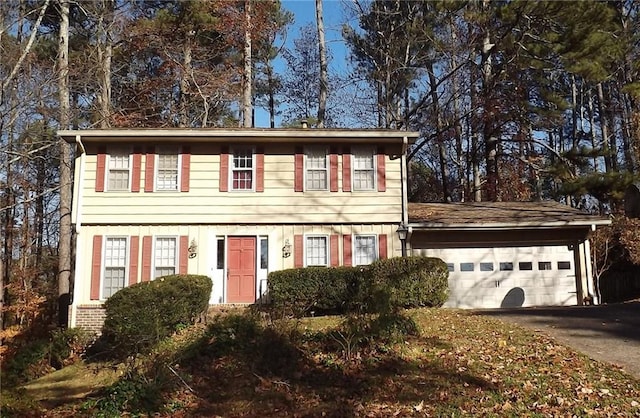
column 514, row 100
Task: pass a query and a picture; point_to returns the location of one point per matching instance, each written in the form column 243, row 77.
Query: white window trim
column 153, row 254
column 327, row 167
column 156, row 167
column 327, row 240
column 376, row 252
column 253, row 170
column 103, row 263
column 361, row 149
column 107, row 169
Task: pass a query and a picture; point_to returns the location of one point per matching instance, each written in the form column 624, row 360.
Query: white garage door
column 508, row 277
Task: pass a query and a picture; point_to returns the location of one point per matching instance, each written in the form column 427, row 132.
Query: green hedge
column 139, row 316
column 385, row 285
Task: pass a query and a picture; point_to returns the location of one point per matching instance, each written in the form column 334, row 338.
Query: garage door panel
column 508, row 276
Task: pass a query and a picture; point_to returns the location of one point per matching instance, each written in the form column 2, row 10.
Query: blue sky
column 304, row 12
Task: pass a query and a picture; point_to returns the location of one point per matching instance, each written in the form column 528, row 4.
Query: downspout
column 77, row 220
column 405, row 200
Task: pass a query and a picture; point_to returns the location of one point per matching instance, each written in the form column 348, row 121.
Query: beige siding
column 205, row 239
column 204, row 203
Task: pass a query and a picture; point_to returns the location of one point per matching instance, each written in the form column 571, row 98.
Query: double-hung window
column 317, row 250
column 363, row 169
column 364, row 249
column 242, row 169
column 167, row 171
column 165, row 258
column 316, row 169
column 118, row 171
column 115, row 265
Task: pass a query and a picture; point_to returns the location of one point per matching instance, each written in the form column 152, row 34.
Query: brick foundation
column 90, row 317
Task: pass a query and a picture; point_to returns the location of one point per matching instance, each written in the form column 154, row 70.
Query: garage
column 507, row 254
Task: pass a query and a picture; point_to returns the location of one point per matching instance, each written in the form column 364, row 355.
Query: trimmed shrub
column 405, row 282
column 384, row 286
column 139, row 316
column 300, row 291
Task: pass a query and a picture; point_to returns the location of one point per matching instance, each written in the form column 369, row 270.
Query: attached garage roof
column 499, row 215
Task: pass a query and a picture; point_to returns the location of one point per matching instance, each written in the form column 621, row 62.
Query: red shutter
column 346, row 169
column 149, row 170
column 298, row 251
column 224, row 169
column 101, row 165
column 382, row 177
column 299, row 170
column 260, row 169
column 335, row 253
column 133, row 259
column 96, row 267
column 382, row 246
column 333, row 170
column 184, row 254
column 186, row 169
column 146, row 258
column 137, row 167
column 346, row 250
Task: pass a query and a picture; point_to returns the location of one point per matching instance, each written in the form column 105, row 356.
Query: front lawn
column 458, row 365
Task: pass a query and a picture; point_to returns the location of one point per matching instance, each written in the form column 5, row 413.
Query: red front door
column 241, row 273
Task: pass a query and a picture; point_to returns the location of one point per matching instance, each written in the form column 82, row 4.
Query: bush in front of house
column 141, row 315
column 384, row 286
column 405, row 282
column 300, row 291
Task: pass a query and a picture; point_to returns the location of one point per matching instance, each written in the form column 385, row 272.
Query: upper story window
column 242, row 169
column 316, row 169
column 118, row 172
column 165, row 258
column 317, row 250
column 167, row 171
column 364, row 249
column 364, row 173
column 115, row 265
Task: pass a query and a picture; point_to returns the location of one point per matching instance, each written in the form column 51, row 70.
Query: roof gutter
column 509, row 225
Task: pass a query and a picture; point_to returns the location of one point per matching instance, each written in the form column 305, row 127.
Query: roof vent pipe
column 304, row 124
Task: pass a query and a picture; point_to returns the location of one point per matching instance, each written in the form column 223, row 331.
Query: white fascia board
column 504, row 226
column 238, row 135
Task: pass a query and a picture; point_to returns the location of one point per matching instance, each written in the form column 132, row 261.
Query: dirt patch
column 609, row 333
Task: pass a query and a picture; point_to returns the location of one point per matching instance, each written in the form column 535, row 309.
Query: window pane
column 365, row 249
column 118, row 176
column 316, row 169
column 525, row 265
column 115, row 261
column 450, row 267
column 316, row 251
column 363, row 171
column 486, row 266
column 564, row 265
column 220, row 254
column 506, row 266
column 165, row 256
column 466, row 266
column 167, row 178
column 544, row 265
column 113, row 281
column 264, row 253
column 242, row 168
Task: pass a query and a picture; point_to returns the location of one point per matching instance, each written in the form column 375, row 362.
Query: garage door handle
column 497, row 283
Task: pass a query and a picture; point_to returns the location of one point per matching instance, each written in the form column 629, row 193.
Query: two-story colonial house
column 233, row 204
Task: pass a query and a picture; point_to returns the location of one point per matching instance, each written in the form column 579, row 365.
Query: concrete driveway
column 609, row 333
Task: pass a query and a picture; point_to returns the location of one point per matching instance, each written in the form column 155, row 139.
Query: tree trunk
column 184, row 82
column 64, row 244
column 247, row 78
column 442, row 151
column 105, row 55
column 322, row 97
column 606, row 145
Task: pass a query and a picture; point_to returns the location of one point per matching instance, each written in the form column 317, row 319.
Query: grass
column 458, row 365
